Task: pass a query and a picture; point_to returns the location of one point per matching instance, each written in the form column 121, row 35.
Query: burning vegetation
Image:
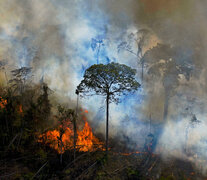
column 86, row 141
column 43, row 132
column 26, row 113
column 3, row 103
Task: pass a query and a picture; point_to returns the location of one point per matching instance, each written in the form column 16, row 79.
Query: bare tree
column 20, row 77
column 164, row 64
column 3, row 63
column 140, row 39
column 96, row 45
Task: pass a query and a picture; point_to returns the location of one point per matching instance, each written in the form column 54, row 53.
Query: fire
column 3, row 102
column 20, row 109
column 85, row 141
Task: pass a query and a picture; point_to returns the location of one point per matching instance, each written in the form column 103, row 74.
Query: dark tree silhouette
column 64, row 115
column 3, row 64
column 111, row 81
column 20, row 77
column 44, row 106
column 166, row 63
column 140, row 38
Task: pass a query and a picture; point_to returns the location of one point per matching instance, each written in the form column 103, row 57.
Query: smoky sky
column 54, row 38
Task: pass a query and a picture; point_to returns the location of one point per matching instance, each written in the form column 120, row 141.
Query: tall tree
column 96, row 45
column 75, row 126
column 135, row 44
column 43, row 105
column 3, row 64
column 19, row 82
column 111, row 81
column 64, row 115
column 20, row 77
column 168, row 63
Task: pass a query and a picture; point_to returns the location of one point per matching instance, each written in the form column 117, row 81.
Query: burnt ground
column 140, row 166
column 95, row 165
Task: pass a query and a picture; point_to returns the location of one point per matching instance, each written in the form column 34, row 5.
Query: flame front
column 3, row 103
column 86, row 141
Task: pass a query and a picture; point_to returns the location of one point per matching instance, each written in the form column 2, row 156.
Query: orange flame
column 3, row 102
column 20, row 109
column 85, row 141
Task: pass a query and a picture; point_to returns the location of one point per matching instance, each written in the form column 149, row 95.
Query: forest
column 103, row 90
column 41, row 139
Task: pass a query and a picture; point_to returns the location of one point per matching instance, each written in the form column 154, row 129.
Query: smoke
column 54, row 38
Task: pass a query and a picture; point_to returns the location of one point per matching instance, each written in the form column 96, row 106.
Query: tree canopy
column 112, row 79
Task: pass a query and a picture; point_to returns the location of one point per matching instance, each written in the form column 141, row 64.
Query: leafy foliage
column 112, row 79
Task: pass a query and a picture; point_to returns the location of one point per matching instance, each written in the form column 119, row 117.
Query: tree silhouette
column 20, row 77
column 64, row 115
column 165, row 63
column 3, row 64
column 140, row 38
column 111, row 81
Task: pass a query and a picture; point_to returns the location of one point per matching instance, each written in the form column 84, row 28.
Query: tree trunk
column 166, row 104
column 186, row 139
column 142, row 74
column 6, row 78
column 99, row 46
column 61, row 152
column 139, row 55
column 61, row 146
column 74, row 136
column 107, row 122
column 75, row 128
